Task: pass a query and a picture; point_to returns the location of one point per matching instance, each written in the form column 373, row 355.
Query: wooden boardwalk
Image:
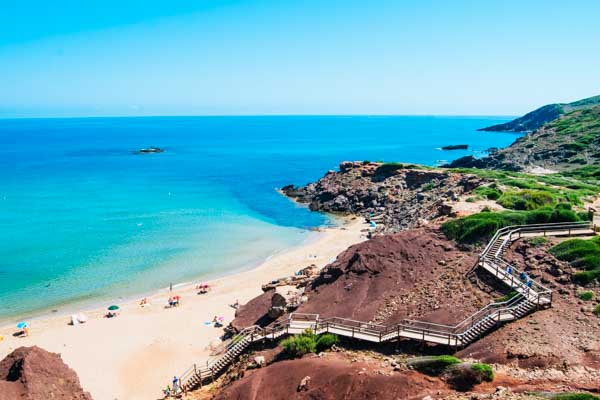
column 531, row 296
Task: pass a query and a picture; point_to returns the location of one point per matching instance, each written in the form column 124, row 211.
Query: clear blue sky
column 195, row 57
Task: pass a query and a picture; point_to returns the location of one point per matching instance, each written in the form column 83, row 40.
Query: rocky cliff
column 395, row 196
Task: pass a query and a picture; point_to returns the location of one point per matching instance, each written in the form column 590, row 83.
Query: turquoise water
column 82, row 218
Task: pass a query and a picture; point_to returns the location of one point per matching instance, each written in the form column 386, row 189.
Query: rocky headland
column 565, row 139
column 394, row 196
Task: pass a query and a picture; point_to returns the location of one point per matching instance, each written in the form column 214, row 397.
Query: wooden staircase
column 530, row 296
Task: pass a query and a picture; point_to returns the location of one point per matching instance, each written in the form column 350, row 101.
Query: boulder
column 32, row 373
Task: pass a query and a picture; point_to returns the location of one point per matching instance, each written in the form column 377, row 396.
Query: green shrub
column 325, row 341
column 597, row 310
column 563, row 206
column 586, row 296
column 508, row 296
column 299, row 345
column 464, row 376
column 307, row 342
column 526, row 199
column 575, row 396
column 433, row 365
column 585, row 277
column 488, row 192
column 485, row 370
column 582, row 254
column 482, row 226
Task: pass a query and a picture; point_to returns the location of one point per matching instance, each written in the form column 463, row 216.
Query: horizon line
column 2, row 118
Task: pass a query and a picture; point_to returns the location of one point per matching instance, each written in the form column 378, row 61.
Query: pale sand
column 135, row 355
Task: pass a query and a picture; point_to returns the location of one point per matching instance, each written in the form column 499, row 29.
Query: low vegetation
column 465, row 375
column 526, row 199
column 508, row 296
column 433, row 365
column 575, row 396
column 570, row 186
column 586, row 295
column 583, row 254
column 489, row 192
column 484, row 370
column 482, row 226
column 307, row 342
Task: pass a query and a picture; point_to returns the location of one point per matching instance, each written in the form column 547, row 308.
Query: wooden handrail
column 452, row 335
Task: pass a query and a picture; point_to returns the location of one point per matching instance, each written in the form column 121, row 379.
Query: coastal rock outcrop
column 394, row 196
column 32, row 373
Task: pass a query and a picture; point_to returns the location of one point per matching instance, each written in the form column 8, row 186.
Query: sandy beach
column 135, row 355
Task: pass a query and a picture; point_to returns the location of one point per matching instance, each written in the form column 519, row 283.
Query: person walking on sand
column 171, row 287
column 175, row 385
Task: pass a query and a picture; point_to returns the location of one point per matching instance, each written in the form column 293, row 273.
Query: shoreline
column 148, row 345
column 69, row 307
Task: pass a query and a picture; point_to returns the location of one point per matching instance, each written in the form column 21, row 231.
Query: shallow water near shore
column 83, row 218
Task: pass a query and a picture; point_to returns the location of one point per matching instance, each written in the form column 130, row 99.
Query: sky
column 258, row 57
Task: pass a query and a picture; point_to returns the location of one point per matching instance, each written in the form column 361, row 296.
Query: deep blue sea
column 82, row 218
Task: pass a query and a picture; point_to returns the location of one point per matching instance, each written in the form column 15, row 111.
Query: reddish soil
column 564, row 335
column 331, row 377
column 254, row 312
column 411, row 274
column 31, row 373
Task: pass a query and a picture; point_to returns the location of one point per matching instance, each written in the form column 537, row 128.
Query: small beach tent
column 74, row 320
column 82, row 318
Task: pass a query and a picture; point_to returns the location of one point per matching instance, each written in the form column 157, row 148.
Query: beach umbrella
column 113, row 308
column 22, row 325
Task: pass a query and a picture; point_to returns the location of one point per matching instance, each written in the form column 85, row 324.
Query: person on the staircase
column 523, row 276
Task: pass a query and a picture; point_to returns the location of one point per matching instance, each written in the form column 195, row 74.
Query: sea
column 84, row 219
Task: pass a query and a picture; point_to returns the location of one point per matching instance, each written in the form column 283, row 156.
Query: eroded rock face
column 331, row 377
column 417, row 274
column 397, row 197
column 31, row 373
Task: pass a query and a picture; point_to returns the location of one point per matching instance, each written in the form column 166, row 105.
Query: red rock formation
column 332, row 377
column 411, row 274
column 31, row 373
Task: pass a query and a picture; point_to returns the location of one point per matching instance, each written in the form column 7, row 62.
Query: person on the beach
column 236, row 305
column 175, row 385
